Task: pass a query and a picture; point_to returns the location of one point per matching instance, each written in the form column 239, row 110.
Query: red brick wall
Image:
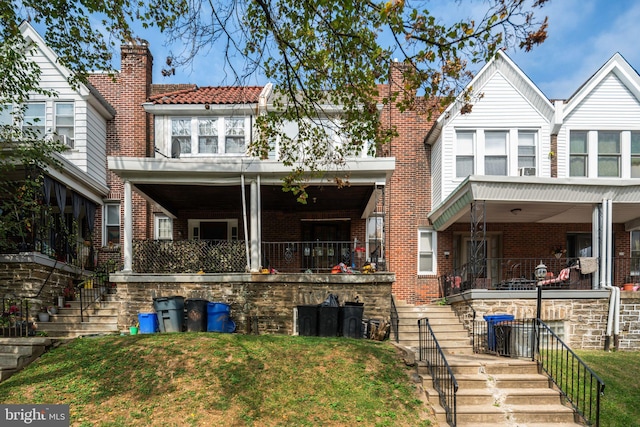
column 129, row 133
column 408, row 197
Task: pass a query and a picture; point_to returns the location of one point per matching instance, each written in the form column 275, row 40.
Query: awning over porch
column 539, row 200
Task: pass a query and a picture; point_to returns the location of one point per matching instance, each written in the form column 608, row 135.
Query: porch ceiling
column 539, row 200
column 175, row 197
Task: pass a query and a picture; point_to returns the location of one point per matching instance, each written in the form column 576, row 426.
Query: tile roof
column 210, row 95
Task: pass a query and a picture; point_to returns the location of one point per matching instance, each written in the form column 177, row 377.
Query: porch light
column 516, row 211
column 541, row 271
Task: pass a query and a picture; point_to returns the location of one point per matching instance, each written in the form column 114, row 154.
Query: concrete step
column 516, row 414
column 19, row 352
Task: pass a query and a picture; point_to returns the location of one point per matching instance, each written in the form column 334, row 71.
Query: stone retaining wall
column 629, row 321
column 583, row 314
column 269, row 298
column 24, row 275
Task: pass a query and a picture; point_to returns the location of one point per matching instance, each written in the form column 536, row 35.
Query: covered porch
column 230, row 215
column 494, row 232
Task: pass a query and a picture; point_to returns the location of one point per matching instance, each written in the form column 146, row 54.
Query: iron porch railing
column 444, row 382
column 14, row 318
column 395, row 320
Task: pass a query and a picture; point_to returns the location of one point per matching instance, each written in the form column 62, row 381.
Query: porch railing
column 626, row 270
column 533, row 339
column 14, row 319
column 512, row 274
column 189, row 256
column 316, row 256
column 395, row 320
column 92, row 290
column 444, row 382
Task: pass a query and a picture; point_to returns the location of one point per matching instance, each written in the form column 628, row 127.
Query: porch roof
column 178, row 183
column 539, row 200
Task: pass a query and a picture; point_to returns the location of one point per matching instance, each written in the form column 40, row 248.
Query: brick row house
column 462, row 204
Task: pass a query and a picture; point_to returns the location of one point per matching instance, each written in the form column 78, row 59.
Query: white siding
column 96, row 138
column 502, row 107
column 436, row 173
column 610, row 106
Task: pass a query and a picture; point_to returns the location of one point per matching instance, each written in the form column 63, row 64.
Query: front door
column 326, row 244
column 489, row 268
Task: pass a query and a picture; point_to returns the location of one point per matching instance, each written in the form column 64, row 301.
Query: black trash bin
column 308, row 320
column 170, row 312
column 352, row 319
column 196, row 314
column 503, row 338
column 328, row 321
column 492, row 320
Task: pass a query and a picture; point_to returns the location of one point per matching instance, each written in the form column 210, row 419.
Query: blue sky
column 583, row 35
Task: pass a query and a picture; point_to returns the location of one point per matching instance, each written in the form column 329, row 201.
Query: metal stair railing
column 577, row 383
column 444, row 382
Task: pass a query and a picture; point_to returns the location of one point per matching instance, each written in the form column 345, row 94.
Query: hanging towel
column 588, row 265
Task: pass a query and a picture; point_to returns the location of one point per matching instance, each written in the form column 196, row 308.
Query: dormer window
column 210, row 135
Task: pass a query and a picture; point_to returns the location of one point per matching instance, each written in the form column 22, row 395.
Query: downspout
column 244, row 222
column 260, row 224
column 613, row 319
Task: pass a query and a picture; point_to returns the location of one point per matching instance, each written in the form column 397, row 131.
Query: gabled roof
column 85, row 90
column 210, row 95
column 501, row 63
column 616, row 65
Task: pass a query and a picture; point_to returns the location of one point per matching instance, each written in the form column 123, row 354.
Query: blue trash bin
column 217, row 316
column 492, row 320
column 148, row 323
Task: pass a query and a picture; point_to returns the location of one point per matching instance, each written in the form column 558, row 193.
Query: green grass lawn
column 620, row 371
column 204, row 379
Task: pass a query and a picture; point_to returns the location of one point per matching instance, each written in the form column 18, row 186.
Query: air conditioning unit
column 527, row 171
column 66, row 140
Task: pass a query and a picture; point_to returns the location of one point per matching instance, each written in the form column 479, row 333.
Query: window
column 163, row 227
column 64, row 122
column 33, row 120
column 426, row 251
column 375, row 238
column 578, row 153
column 609, row 154
column 495, row 159
column 526, row 149
column 464, row 154
column 6, row 115
column 234, row 136
column 635, row 154
column 207, row 135
column 181, row 134
column 635, row 253
column 112, row 224
column 213, row 229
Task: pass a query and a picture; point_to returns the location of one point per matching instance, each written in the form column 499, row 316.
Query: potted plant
column 69, row 292
column 43, row 315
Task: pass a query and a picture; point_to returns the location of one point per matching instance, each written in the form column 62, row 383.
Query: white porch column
column 254, row 210
column 596, row 228
column 127, row 249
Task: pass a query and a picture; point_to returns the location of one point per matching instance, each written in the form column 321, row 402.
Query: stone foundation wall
column 629, row 338
column 24, row 275
column 583, row 314
column 270, row 298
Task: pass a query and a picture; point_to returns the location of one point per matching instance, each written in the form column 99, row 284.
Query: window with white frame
column 375, row 238
column 163, row 227
column 527, row 149
column 210, row 135
column 495, row 158
column 578, row 153
column 635, row 154
column 635, row 253
column 64, row 122
column 111, row 228
column 181, row 134
column 234, row 136
column 609, row 153
column 426, row 251
column 464, row 153
column 6, row 115
column 33, row 121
